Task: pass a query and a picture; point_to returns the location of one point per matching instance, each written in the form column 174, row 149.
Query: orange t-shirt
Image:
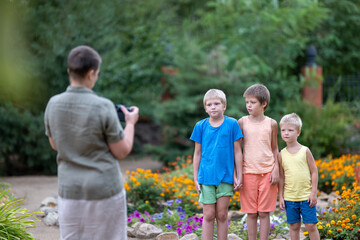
column 258, row 156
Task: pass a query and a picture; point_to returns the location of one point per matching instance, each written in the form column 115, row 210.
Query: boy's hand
column 281, row 203
column 274, row 176
column 237, row 183
column 312, row 200
column 197, row 185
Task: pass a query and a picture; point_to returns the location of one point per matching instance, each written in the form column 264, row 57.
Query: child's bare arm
column 314, row 178
column 274, row 148
column 238, row 165
column 281, row 184
column 196, row 163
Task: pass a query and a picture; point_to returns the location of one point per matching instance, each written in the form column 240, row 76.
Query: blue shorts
column 295, row 209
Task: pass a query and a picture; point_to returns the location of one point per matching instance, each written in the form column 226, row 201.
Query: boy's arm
column 314, row 178
column 196, row 163
column 274, row 179
column 281, row 184
column 238, row 165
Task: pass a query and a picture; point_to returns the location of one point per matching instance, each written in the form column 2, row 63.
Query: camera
column 120, row 113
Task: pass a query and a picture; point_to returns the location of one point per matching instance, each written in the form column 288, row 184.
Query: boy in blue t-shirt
column 217, row 153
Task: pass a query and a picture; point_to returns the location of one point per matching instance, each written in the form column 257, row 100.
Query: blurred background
column 163, row 55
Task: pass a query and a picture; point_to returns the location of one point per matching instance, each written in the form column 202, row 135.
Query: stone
column 168, row 236
column 232, row 236
column 235, row 215
column 49, row 202
column 191, row 236
column 51, row 219
column 131, row 232
column 146, row 231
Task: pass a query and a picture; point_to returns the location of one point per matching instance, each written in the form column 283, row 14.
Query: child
column 85, row 131
column 299, row 180
column 260, row 165
column 217, row 150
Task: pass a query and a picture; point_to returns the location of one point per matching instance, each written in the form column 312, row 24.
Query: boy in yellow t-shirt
column 298, row 180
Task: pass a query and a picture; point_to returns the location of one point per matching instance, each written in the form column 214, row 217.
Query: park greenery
column 177, row 48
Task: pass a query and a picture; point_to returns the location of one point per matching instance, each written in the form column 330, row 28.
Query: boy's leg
column 252, row 225
column 208, row 222
column 295, row 231
column 264, row 225
column 222, row 206
column 310, row 219
column 313, row 231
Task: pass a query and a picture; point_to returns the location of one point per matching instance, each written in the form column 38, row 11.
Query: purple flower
column 178, row 200
column 179, row 231
column 272, row 226
column 137, row 214
column 170, row 202
column 146, row 212
column 169, row 212
column 129, row 220
column 168, row 226
column 142, row 220
column 182, row 216
column 180, row 223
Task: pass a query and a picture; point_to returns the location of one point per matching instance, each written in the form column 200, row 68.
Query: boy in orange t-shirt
column 260, row 164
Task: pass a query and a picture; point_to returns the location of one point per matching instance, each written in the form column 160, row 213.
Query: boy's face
column 215, row 108
column 289, row 132
column 254, row 107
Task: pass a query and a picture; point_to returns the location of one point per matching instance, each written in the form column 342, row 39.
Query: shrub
column 336, row 173
column 24, row 148
column 324, row 130
column 342, row 220
column 14, row 220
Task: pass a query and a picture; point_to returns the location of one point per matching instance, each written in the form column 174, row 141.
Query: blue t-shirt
column 217, row 150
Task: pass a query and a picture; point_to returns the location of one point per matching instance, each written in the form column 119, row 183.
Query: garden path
column 34, row 189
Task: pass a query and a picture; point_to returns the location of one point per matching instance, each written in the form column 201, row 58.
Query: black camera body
column 120, row 113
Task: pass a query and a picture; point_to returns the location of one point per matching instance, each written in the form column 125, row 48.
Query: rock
column 168, row 236
column 131, row 232
column 147, row 231
column 191, row 236
column 51, row 218
column 232, row 236
column 49, row 202
column 235, row 215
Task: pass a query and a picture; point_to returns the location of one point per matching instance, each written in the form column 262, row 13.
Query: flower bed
column 169, row 200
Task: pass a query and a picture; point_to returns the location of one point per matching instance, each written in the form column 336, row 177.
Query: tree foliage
column 224, row 44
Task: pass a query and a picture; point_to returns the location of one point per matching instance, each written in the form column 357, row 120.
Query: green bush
column 14, row 220
column 326, row 130
column 24, row 148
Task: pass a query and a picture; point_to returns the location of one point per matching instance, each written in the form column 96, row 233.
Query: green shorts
column 210, row 193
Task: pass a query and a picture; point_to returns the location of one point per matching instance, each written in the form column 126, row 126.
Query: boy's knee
column 310, row 227
column 210, row 216
column 295, row 226
column 264, row 215
column 222, row 217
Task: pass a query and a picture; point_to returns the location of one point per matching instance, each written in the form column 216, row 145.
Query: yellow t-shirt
column 297, row 175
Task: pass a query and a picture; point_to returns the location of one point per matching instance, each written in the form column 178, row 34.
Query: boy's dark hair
column 81, row 60
column 260, row 92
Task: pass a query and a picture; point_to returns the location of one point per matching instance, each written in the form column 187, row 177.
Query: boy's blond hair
column 214, row 93
column 260, row 92
column 292, row 118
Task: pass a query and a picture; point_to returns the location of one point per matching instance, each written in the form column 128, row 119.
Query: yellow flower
column 306, row 233
column 329, row 232
column 333, row 222
column 320, row 227
column 353, row 216
column 146, row 201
